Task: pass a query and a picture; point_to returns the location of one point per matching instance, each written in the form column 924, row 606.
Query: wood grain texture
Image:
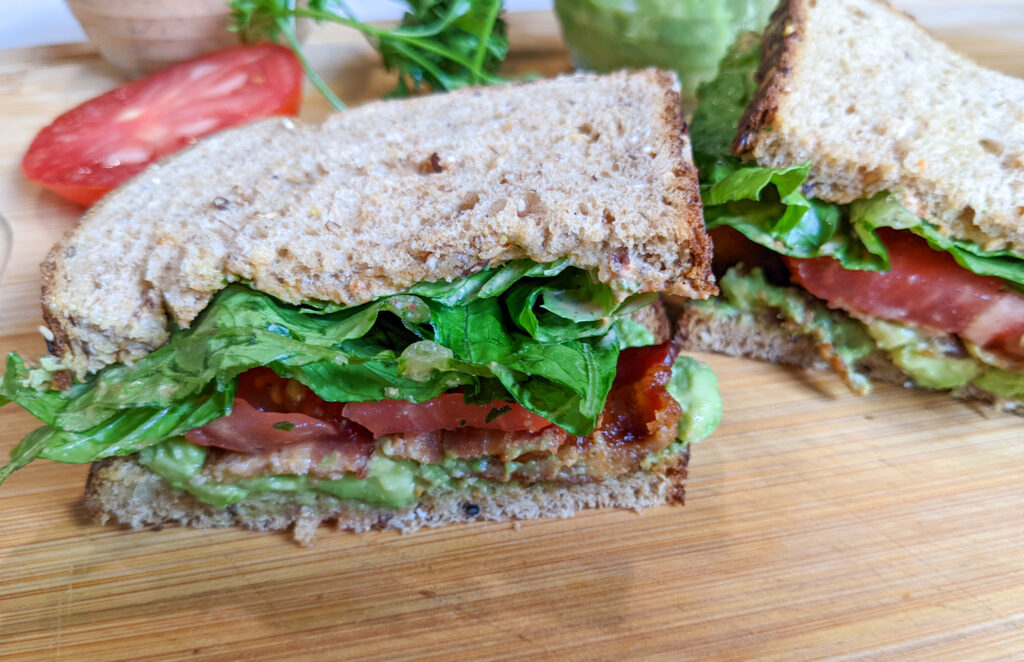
column 818, row 525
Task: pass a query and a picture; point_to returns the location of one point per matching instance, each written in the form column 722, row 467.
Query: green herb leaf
column 440, row 45
column 496, row 412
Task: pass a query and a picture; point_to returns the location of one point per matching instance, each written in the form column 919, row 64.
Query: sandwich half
column 865, row 186
column 418, row 312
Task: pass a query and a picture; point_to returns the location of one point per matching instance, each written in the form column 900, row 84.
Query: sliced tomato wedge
column 95, row 146
column 250, row 430
column 265, row 390
column 445, row 412
column 924, row 287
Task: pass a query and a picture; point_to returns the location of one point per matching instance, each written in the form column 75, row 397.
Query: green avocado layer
column 923, row 357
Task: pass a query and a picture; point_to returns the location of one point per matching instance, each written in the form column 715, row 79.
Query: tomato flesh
column 445, row 412
column 923, row 287
column 99, row 144
column 251, row 430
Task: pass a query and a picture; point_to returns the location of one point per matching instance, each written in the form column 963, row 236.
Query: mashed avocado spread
column 687, row 36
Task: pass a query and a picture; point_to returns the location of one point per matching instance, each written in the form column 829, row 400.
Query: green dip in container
column 688, row 36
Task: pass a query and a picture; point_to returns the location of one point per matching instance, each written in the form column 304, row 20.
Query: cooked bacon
column 424, row 447
column 471, row 443
column 640, row 418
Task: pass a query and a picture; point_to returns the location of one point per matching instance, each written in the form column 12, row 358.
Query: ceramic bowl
column 141, row 36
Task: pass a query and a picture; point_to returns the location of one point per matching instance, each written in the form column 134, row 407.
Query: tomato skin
column 102, row 142
column 923, row 287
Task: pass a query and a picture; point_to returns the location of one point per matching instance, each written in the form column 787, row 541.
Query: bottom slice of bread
column 711, row 329
column 123, row 490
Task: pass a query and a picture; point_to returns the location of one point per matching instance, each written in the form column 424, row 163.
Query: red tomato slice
column 250, row 430
column 270, row 412
column 95, row 146
column 924, row 287
column 445, row 412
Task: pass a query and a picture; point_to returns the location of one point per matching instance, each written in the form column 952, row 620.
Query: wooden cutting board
column 817, row 525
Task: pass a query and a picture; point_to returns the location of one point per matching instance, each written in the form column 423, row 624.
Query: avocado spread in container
column 687, row 36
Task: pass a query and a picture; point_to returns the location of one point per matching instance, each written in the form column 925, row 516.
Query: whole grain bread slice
column 875, row 103
column 763, row 337
column 596, row 169
column 122, row 490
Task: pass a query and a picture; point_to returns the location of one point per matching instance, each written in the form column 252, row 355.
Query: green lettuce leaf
column 546, row 335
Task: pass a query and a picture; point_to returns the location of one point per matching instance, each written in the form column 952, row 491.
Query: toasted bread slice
column 875, row 103
column 122, row 490
column 596, row 169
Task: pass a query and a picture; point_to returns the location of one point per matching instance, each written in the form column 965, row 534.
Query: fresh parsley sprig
column 440, row 44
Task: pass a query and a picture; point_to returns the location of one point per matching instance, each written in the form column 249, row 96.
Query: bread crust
column 344, row 211
column 779, row 43
column 700, row 243
column 122, row 490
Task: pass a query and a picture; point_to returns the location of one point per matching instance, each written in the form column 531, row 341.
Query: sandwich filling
column 524, row 372
column 947, row 311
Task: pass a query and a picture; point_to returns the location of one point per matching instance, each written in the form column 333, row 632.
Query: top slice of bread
column 876, row 103
column 376, row 199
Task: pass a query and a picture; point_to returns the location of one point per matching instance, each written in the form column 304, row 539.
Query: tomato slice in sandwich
column 924, row 287
column 95, row 146
column 445, row 412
